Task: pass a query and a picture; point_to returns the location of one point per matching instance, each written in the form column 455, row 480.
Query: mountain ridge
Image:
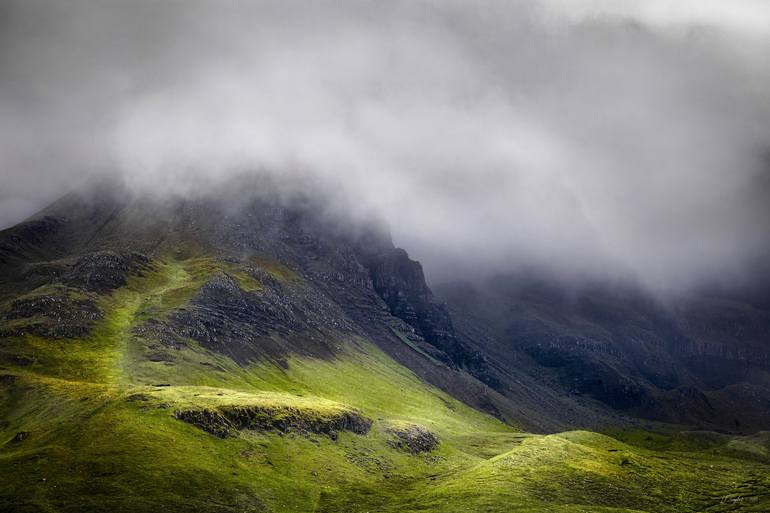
column 255, row 354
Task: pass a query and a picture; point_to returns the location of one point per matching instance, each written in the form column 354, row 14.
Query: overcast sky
column 599, row 137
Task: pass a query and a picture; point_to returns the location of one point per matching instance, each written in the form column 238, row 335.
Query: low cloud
column 599, row 139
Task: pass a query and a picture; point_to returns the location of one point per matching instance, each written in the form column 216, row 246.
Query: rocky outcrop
column 401, row 283
column 53, row 316
column 412, row 438
column 268, row 323
column 104, row 271
column 231, row 321
column 224, row 421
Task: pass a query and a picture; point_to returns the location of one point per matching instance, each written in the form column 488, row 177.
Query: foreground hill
column 264, row 356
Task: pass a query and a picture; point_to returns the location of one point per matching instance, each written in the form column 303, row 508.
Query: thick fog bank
column 600, row 139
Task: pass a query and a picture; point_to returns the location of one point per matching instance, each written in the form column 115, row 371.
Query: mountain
column 252, row 351
column 701, row 359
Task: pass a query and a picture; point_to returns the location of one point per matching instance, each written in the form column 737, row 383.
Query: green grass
column 570, row 471
column 403, row 338
column 103, row 437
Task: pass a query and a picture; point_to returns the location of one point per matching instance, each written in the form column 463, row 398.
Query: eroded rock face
column 251, row 325
column 226, row 319
column 72, row 310
column 401, row 283
column 104, row 271
column 226, row 421
column 55, row 316
column 413, row 439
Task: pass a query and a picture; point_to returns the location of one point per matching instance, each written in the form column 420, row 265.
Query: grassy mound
column 573, row 470
column 225, row 413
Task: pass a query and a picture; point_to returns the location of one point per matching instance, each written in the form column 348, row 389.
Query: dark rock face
column 401, row 284
column 266, row 323
column 210, row 421
column 604, row 383
column 227, row 319
column 226, row 421
column 413, row 439
column 56, row 307
column 104, row 271
column 702, row 360
column 54, row 316
column 72, row 310
column 583, row 370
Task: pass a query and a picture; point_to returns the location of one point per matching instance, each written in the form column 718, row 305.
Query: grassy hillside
column 112, row 422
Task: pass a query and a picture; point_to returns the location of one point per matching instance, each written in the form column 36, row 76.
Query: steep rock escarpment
column 400, row 282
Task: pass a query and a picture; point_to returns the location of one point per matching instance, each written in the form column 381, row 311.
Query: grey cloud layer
column 593, row 140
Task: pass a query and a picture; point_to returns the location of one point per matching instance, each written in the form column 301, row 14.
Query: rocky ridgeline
column 356, row 281
column 377, row 284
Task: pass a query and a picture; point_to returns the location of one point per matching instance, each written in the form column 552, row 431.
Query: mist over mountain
column 600, row 140
column 409, row 256
column 259, row 348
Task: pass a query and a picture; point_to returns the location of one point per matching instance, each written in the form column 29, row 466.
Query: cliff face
column 400, row 282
